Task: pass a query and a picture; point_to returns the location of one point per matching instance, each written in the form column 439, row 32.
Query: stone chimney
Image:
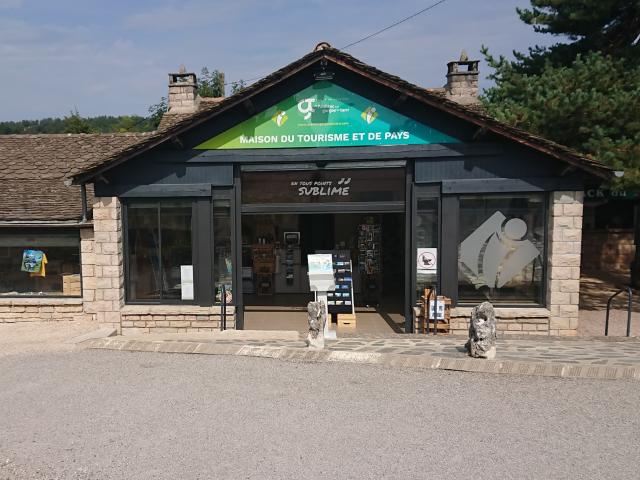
column 183, row 92
column 462, row 80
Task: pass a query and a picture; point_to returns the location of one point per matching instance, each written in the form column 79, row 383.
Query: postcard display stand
column 340, row 301
column 370, row 260
column 321, row 281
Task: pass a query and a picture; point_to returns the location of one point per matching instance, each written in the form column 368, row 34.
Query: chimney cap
column 182, row 70
column 321, row 46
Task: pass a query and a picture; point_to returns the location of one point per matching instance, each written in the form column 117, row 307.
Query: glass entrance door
column 426, row 240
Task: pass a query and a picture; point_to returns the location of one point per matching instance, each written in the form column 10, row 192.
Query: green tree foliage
column 237, row 86
column 611, row 27
column 74, row 123
column 211, row 83
column 591, row 105
column 101, row 124
column 585, row 93
column 156, row 112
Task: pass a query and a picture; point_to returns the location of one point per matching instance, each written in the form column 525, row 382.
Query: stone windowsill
column 501, row 312
column 37, row 301
column 506, row 312
column 173, row 310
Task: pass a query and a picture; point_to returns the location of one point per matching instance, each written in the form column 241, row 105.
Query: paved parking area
column 37, row 337
column 93, row 414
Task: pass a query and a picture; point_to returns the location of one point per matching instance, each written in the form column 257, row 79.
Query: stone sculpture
column 317, row 319
column 482, row 332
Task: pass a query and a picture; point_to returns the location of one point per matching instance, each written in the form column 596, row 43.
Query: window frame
column 44, row 230
column 542, row 300
column 425, row 192
column 126, row 203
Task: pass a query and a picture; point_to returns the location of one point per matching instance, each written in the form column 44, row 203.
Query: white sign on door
column 427, row 260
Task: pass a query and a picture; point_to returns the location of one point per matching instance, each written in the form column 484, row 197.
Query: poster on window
column 186, row 282
column 436, row 311
column 427, row 260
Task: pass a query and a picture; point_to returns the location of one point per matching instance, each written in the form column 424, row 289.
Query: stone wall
column 510, row 321
column 563, row 263
column 42, row 310
column 107, row 263
column 87, row 268
column 173, row 319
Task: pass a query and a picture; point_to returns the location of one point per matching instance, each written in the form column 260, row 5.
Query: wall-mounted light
column 323, row 73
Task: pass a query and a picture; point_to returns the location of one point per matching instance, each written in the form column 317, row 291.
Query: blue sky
column 112, row 57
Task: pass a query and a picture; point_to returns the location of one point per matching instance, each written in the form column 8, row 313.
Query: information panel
column 326, row 115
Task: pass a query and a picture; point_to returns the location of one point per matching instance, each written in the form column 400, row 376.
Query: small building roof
column 35, row 167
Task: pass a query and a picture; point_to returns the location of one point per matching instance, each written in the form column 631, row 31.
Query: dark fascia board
column 158, row 190
column 499, row 185
column 375, row 75
column 339, row 153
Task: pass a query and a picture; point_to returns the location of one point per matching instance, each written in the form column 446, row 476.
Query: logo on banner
column 497, row 251
column 280, row 117
column 369, row 115
column 305, row 107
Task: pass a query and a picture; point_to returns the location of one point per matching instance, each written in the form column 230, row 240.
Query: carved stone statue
column 482, row 332
column 317, row 319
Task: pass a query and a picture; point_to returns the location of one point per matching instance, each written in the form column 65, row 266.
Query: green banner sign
column 326, row 115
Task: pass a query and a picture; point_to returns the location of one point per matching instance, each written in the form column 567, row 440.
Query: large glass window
column 160, row 254
column 222, row 274
column 40, row 263
column 427, row 245
column 501, row 248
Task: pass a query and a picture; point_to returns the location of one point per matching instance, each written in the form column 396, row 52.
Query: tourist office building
column 410, row 188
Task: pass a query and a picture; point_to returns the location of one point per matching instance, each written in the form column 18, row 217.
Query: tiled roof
column 432, row 97
column 33, row 169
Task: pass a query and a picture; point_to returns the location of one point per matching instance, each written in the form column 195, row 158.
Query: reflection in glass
column 159, row 243
column 59, row 276
column 144, row 251
column 175, row 228
column 501, row 248
column 222, row 271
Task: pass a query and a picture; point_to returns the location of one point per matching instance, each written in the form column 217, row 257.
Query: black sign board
column 341, row 299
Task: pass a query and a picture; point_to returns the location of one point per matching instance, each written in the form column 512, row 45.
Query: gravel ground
column 38, row 337
column 114, row 415
column 592, row 323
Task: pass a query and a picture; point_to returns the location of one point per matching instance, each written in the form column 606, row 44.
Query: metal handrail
column 223, row 307
column 629, row 300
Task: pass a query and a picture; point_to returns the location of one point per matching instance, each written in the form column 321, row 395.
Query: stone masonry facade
column 563, row 264
column 103, row 285
column 104, row 296
column 563, row 278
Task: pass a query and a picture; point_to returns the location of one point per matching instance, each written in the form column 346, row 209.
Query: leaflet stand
column 321, row 281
